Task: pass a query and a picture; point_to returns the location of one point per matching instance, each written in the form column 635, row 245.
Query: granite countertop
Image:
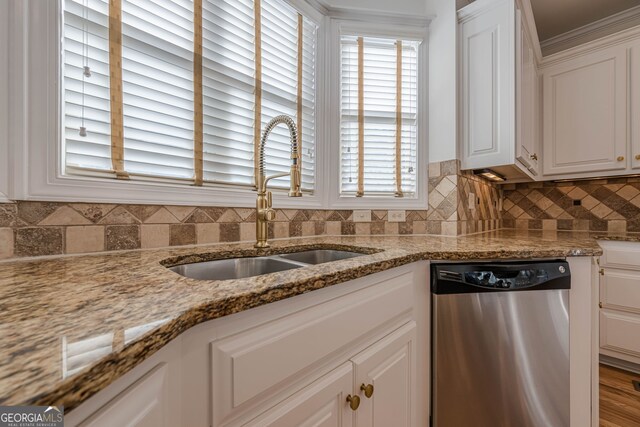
column 72, row 325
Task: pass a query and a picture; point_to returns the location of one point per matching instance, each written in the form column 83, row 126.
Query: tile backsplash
column 596, row 205
column 52, row 228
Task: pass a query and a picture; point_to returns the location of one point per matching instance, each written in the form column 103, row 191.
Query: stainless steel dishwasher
column 500, row 343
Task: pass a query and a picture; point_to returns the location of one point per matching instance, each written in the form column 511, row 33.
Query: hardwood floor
column 619, row 401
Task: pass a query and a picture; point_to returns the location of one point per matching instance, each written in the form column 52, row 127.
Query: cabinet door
column 585, row 113
column 620, row 335
column 527, row 99
column 487, row 87
column 635, row 104
column 145, row 404
column 390, row 366
column 321, row 404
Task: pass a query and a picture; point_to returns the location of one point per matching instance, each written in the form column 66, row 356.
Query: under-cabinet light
column 490, row 175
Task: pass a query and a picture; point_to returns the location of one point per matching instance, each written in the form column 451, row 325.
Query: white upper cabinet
column 585, row 113
column 498, row 89
column 635, row 105
column 527, row 100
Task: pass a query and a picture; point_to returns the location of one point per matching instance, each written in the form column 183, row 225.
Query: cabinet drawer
column 248, row 364
column 620, row 289
column 620, row 254
column 144, row 404
column 620, row 332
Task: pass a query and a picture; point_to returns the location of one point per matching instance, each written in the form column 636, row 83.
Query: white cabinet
column 585, row 113
column 321, row 404
column 498, row 89
column 635, row 105
column 620, row 301
column 388, row 369
column 385, row 372
column 528, row 103
column 145, row 404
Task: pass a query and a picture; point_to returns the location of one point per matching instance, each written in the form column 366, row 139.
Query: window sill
column 74, row 188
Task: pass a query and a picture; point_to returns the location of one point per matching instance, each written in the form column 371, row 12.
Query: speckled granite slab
column 70, row 326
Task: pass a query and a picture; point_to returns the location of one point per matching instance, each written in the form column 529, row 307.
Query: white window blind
column 369, row 98
column 158, row 88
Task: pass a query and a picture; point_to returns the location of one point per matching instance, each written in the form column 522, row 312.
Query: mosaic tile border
column 51, row 228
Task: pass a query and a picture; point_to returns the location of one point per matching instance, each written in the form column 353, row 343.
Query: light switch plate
column 397, row 216
column 472, row 201
column 362, row 216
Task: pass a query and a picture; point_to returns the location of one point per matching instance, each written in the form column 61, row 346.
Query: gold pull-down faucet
column 264, row 202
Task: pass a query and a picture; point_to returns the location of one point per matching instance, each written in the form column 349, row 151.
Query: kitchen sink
column 234, row 268
column 239, row 268
column 319, row 256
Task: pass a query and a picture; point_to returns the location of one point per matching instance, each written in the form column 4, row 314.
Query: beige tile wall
column 596, row 205
column 48, row 228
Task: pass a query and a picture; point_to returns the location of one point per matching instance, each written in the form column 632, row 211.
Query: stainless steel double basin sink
column 239, row 268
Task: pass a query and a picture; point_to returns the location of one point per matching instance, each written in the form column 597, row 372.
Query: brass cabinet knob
column 637, row 156
column 354, row 402
column 368, row 390
column 533, row 156
column 621, row 158
column 601, row 271
column 600, row 304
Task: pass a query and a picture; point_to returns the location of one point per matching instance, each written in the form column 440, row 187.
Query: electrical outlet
column 472, row 201
column 397, row 216
column 362, row 216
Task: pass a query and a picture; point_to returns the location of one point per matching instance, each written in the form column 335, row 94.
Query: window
column 378, row 116
column 181, row 100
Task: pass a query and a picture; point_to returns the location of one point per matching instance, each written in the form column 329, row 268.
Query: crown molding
column 618, row 38
column 604, row 27
column 477, row 8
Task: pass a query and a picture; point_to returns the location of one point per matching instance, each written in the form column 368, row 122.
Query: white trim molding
column 373, row 29
column 618, row 38
column 604, row 27
column 4, row 102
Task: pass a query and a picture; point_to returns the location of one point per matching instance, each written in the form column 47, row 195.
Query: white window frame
column 384, row 29
column 5, row 170
column 36, row 127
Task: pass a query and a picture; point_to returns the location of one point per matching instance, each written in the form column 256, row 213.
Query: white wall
column 442, row 80
column 4, row 100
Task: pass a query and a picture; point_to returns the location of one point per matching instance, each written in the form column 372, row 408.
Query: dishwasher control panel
column 508, row 276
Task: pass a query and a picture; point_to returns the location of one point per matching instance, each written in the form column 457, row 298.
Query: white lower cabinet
column 145, row 404
column 356, row 354
column 321, row 404
column 377, row 387
column 620, row 301
column 388, row 368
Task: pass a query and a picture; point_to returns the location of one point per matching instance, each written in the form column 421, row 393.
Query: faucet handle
column 269, row 199
column 270, row 214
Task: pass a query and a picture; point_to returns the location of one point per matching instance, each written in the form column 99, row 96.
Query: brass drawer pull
column 533, row 156
column 621, row 158
column 354, row 402
column 368, row 390
column 637, row 156
column 601, row 271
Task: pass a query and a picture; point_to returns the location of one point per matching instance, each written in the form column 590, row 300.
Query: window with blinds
column 180, row 89
column 379, row 116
